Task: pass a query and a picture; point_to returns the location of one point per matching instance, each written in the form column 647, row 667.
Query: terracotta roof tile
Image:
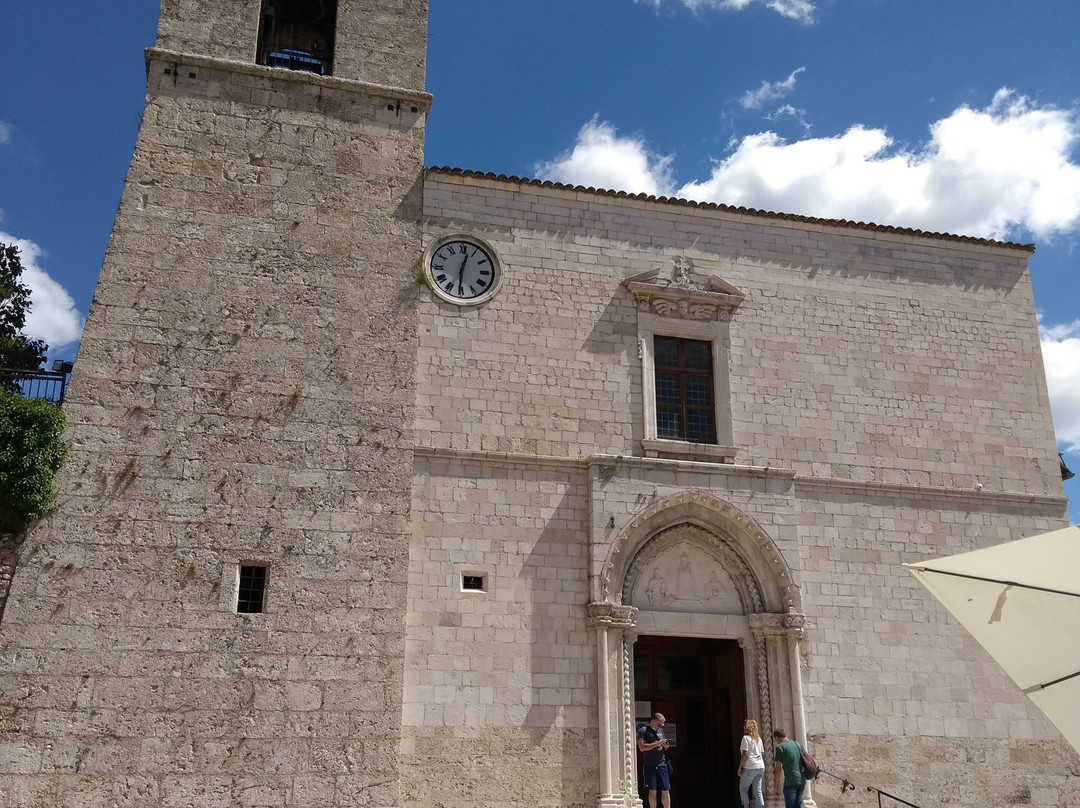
column 790, row 217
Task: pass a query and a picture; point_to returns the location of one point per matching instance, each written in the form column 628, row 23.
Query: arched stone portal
column 692, row 565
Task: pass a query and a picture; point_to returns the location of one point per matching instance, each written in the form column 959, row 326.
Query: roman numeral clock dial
column 462, row 269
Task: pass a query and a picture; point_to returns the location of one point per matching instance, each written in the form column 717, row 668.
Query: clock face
column 463, row 270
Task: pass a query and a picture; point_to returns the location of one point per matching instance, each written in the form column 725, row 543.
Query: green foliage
column 17, row 352
column 31, row 450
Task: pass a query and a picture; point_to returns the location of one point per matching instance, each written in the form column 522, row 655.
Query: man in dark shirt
column 652, row 744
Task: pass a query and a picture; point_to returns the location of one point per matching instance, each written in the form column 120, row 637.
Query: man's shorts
column 657, row 778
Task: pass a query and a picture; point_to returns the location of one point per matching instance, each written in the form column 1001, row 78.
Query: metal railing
column 50, row 385
column 881, row 794
column 847, row 785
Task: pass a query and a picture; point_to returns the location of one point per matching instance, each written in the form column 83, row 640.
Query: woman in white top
column 751, row 764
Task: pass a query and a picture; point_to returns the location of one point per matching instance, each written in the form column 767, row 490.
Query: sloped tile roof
column 767, row 214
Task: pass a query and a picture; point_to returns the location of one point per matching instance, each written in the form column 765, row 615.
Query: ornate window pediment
column 683, row 308
column 684, row 294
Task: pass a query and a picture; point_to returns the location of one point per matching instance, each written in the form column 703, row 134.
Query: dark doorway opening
column 700, row 688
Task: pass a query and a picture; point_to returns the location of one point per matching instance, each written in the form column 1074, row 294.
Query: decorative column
column 795, row 628
column 778, row 636
column 617, row 764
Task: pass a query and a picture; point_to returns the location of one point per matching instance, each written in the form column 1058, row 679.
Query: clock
column 462, row 269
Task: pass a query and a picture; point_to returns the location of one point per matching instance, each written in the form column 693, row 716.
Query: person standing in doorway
column 787, row 760
column 751, row 765
column 653, row 746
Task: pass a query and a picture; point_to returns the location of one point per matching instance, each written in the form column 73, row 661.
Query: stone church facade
column 394, row 486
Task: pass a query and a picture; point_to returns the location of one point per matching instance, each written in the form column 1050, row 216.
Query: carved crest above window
column 683, row 293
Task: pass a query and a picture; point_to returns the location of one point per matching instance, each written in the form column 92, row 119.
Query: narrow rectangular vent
column 472, row 583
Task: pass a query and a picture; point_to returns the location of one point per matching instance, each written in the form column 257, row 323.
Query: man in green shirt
column 788, row 760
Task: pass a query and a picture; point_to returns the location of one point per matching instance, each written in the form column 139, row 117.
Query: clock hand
column 461, row 273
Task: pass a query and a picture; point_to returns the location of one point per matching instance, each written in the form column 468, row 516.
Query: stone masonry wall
column 898, row 695
column 243, row 395
column 880, row 638
column 500, row 685
column 857, row 354
column 897, row 376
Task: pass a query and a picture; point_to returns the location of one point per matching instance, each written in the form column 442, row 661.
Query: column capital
column 610, row 615
column 775, row 624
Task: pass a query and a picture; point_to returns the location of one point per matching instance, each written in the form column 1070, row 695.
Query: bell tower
column 376, row 41
column 219, row 598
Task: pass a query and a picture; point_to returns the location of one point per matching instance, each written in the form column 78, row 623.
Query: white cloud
column 52, row 316
column 786, row 111
column 984, row 172
column 1061, row 358
column 770, row 91
column 800, row 10
column 999, row 172
column 600, row 159
column 5, row 132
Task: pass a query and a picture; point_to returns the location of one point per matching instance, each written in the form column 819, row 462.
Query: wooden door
column 699, row 687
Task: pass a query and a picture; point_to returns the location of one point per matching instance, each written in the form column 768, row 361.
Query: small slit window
column 472, row 583
column 251, row 594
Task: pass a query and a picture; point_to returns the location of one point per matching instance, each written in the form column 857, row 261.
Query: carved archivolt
column 736, row 540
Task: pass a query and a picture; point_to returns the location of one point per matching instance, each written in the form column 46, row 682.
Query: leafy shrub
column 31, row 450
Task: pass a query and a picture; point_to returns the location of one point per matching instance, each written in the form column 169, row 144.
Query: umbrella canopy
column 1021, row 601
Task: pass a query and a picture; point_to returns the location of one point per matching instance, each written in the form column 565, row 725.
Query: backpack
column 807, row 764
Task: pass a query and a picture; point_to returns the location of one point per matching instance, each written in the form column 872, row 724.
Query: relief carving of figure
column 713, row 588
column 685, row 582
column 656, row 589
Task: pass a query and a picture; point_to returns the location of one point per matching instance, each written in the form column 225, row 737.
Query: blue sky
column 959, row 116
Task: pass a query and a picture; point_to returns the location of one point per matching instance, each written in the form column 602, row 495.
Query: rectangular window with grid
column 684, row 390
column 252, row 590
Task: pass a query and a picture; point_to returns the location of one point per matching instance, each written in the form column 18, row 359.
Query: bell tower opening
column 297, row 35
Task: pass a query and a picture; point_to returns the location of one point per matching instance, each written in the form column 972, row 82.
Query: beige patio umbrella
column 1021, row 601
